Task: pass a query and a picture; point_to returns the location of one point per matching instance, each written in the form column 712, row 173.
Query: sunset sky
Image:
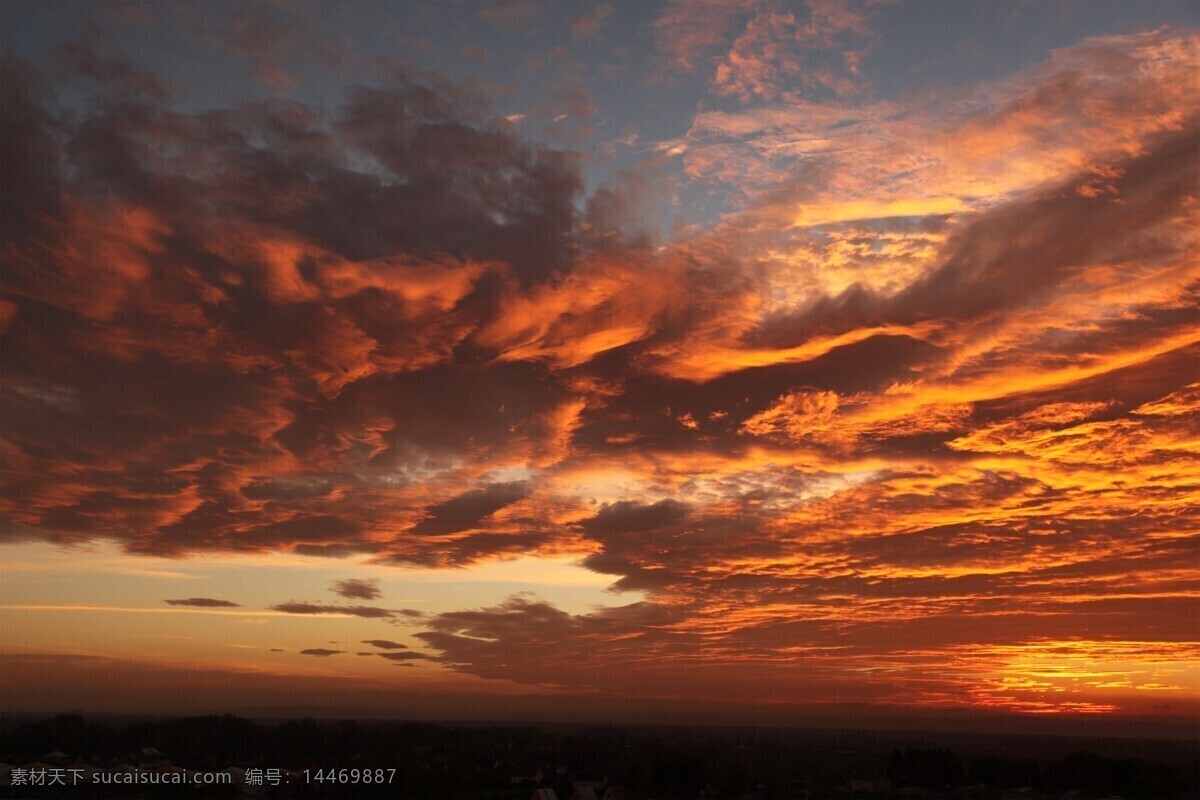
column 683, row 359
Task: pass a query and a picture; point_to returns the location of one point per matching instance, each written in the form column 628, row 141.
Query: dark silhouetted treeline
column 462, row 761
column 1083, row 773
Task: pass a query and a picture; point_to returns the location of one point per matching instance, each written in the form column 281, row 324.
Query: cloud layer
column 914, row 422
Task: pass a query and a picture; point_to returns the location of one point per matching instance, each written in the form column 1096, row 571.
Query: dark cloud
column 357, row 589
column 203, row 602
column 384, row 644
column 82, row 58
column 31, row 146
column 631, row 517
column 320, row 651
column 469, row 509
column 206, row 370
column 407, row 656
column 986, row 269
column 369, row 612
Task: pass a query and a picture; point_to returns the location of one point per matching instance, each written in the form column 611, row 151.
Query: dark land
column 472, row 760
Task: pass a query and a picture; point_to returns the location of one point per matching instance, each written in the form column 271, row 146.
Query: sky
column 738, row 360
